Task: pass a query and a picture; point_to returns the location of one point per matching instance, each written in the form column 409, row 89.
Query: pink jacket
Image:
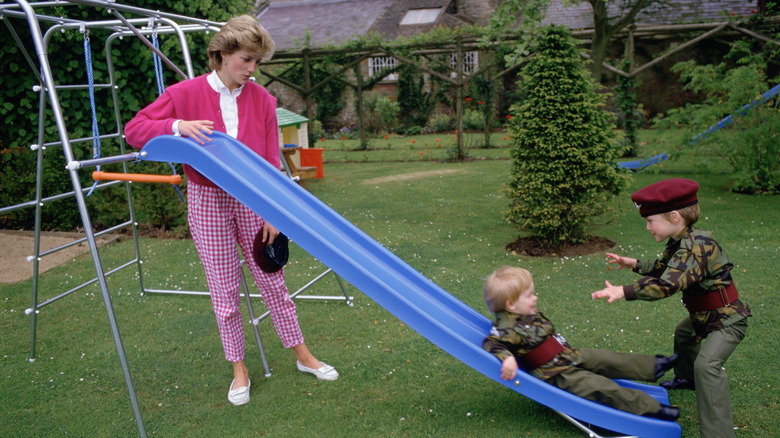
column 194, row 99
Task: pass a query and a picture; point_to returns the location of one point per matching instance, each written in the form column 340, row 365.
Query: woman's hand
column 196, row 129
column 269, row 233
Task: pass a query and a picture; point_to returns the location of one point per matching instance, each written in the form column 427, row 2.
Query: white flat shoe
column 325, row 372
column 239, row 396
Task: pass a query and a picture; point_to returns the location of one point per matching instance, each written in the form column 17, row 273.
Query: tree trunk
column 601, row 37
column 603, row 31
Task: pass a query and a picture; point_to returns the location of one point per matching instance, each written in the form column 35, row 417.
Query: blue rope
column 96, row 152
column 158, row 73
column 90, row 80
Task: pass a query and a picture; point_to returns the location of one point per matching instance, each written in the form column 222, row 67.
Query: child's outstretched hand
column 622, row 262
column 509, row 368
column 613, row 293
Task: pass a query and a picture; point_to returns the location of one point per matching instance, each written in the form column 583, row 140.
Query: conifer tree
column 564, row 150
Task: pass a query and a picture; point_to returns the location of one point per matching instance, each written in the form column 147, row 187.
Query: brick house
column 329, row 23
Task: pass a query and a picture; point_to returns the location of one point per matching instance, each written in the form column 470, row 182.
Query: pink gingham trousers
column 218, row 222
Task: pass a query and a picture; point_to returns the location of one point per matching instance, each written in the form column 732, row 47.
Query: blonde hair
column 690, row 214
column 242, row 32
column 504, row 285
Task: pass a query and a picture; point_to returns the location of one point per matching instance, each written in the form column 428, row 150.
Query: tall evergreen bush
column 564, row 150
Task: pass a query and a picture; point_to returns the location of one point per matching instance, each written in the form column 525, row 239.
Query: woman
column 225, row 100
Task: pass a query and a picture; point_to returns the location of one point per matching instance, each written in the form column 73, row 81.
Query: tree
column 564, row 150
column 605, row 27
column 524, row 16
column 749, row 144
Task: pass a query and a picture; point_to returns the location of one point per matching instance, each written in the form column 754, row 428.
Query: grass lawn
column 445, row 220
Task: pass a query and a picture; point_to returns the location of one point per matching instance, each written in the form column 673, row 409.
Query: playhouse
column 293, row 128
column 299, row 159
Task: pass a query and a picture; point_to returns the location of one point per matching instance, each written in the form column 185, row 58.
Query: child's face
column 525, row 304
column 662, row 228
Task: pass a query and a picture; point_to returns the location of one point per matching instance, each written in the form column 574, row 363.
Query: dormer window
column 421, row 16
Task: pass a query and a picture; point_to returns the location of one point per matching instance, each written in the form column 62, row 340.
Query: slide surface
column 382, row 276
column 774, row 91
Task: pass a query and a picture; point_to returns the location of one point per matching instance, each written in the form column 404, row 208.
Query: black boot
column 664, row 364
column 668, row 413
column 678, row 383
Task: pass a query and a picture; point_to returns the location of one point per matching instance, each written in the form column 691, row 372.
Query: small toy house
column 294, row 137
column 293, row 128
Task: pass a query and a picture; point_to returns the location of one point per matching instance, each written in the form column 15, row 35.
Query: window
column 421, row 16
column 470, row 62
column 378, row 64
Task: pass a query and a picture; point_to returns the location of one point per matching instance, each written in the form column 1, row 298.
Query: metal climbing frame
column 142, row 23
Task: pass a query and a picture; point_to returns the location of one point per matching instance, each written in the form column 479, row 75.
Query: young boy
column 522, row 334
column 693, row 263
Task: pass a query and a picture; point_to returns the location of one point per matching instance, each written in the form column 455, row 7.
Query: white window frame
column 470, row 62
column 377, row 64
column 421, row 16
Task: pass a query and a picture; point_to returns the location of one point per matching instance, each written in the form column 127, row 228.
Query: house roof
column 288, row 118
column 580, row 16
column 326, row 21
column 390, row 23
column 337, row 21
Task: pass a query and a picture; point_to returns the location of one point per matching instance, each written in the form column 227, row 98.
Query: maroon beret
column 665, row 196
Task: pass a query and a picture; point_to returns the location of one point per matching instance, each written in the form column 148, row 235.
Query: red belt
column 541, row 354
column 711, row 300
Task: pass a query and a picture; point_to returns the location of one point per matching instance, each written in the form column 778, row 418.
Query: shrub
column 413, row 130
column 473, row 120
column 380, row 113
column 440, row 123
column 315, row 132
column 563, row 145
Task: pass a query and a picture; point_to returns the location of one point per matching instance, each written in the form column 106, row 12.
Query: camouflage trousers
column 702, row 362
column 592, row 380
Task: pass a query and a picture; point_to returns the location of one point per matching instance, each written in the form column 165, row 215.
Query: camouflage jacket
column 514, row 334
column 694, row 264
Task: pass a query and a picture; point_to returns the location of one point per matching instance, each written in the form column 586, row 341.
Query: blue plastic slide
column 641, row 164
column 774, row 91
column 382, row 276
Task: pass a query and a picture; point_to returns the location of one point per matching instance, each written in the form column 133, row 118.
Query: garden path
column 16, row 246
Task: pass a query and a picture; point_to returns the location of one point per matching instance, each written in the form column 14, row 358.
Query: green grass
column 445, row 220
column 424, row 147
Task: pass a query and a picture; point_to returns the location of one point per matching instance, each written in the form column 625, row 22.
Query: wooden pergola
column 420, row 56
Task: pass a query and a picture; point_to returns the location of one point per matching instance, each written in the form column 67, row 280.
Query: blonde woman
column 225, row 100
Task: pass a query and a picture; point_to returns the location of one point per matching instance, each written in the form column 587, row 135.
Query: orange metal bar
column 136, row 177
